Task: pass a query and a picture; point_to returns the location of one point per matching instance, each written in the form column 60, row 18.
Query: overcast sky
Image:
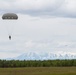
column 42, row 25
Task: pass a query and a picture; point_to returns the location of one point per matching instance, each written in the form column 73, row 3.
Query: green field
column 39, row 71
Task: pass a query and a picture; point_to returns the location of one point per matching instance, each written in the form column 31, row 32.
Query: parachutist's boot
column 9, row 37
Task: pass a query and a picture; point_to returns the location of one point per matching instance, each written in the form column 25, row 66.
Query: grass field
column 39, row 71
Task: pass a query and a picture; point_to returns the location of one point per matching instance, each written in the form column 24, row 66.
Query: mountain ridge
column 45, row 56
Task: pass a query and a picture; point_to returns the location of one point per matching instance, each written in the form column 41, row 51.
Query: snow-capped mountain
column 46, row 56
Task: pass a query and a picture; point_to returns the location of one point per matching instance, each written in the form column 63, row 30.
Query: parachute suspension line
column 9, row 28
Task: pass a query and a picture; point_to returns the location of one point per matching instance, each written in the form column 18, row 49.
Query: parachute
column 10, row 17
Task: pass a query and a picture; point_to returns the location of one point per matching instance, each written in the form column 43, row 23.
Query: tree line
column 37, row 63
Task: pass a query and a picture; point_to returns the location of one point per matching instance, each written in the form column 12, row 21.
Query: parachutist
column 9, row 16
column 9, row 37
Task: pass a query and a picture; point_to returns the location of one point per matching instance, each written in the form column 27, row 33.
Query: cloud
column 60, row 8
column 38, row 5
column 38, row 32
column 67, row 10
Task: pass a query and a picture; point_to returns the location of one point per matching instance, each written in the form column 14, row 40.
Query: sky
column 42, row 26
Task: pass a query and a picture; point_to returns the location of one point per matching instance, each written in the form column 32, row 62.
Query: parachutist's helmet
column 9, row 16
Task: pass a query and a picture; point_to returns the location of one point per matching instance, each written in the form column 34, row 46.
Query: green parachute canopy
column 9, row 16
